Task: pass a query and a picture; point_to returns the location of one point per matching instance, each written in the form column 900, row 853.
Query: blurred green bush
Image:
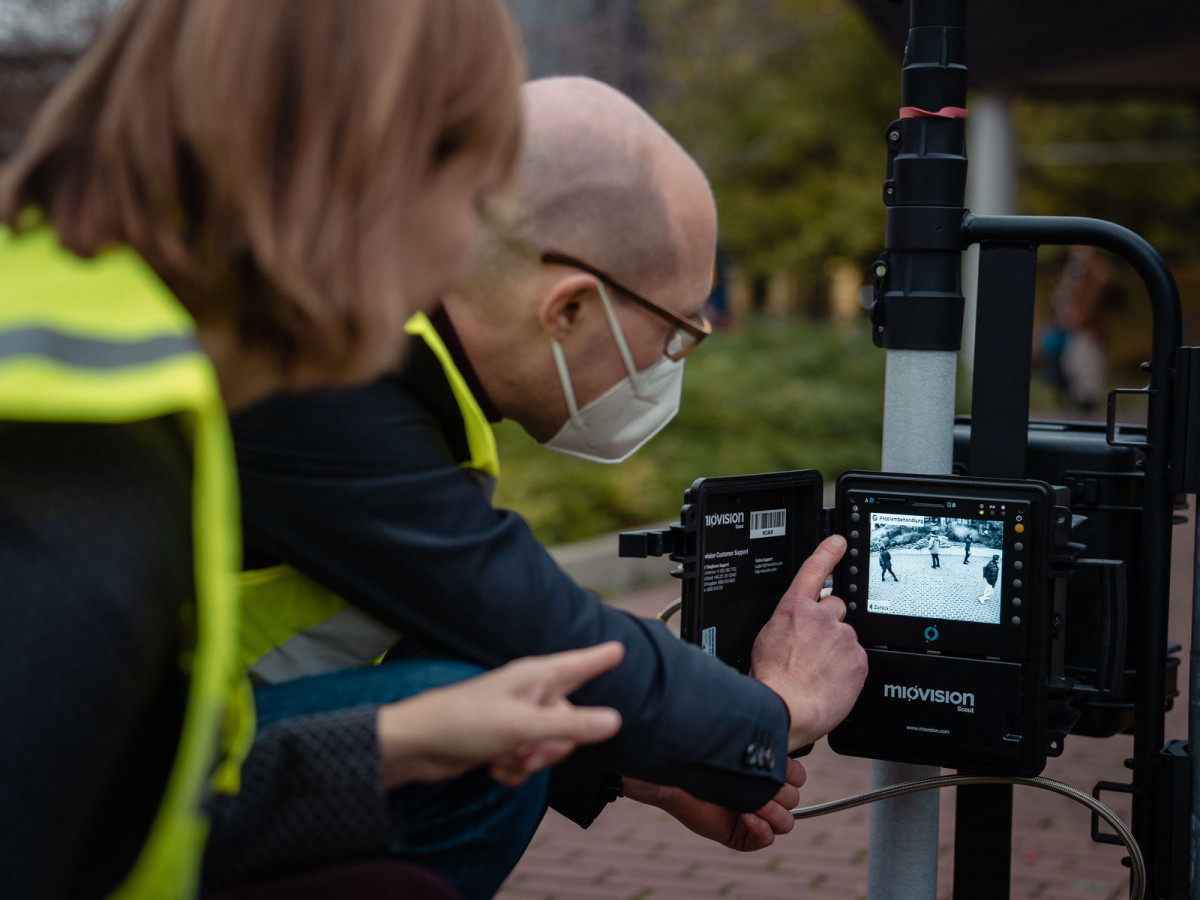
column 766, row 397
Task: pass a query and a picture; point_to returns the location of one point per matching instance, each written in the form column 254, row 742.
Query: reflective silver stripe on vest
column 92, row 353
column 347, row 639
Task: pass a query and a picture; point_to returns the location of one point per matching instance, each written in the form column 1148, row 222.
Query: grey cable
column 670, row 609
column 1137, row 868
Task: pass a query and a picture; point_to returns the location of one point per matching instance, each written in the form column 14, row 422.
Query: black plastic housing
column 944, row 688
column 1107, row 487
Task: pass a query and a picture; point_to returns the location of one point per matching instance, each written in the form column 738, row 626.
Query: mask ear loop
column 564, row 378
column 622, row 347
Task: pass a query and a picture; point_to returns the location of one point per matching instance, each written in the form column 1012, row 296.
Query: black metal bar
column 1150, row 638
column 1174, row 782
column 982, row 841
column 999, row 435
column 1003, row 357
column 1194, row 706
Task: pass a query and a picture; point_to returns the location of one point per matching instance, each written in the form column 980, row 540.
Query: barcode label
column 708, row 640
column 768, row 523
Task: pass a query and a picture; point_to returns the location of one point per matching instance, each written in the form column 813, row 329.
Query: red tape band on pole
column 943, row 113
column 946, row 112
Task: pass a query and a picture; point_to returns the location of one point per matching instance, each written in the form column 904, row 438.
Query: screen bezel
column 915, row 495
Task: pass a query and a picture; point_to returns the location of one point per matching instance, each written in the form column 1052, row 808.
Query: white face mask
column 623, row 418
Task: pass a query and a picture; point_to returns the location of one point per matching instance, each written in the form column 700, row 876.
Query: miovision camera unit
column 947, row 584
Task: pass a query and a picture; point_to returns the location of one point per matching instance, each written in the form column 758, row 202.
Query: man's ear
column 562, row 304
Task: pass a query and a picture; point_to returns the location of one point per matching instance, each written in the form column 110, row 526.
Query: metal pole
column 918, row 319
column 991, row 190
column 918, row 423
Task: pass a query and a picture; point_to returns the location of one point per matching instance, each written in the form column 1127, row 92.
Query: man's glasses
column 687, row 334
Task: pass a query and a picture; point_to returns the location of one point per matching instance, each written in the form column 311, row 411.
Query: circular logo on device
column 931, row 634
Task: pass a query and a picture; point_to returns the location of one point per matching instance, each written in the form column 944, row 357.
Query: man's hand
column 517, row 719
column 807, row 654
column 738, row 831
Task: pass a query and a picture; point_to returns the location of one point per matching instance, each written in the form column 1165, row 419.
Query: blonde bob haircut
column 260, row 156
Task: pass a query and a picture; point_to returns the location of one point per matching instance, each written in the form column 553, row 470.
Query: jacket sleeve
column 311, row 795
column 358, row 490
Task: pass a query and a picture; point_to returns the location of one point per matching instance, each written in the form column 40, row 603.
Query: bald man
column 368, row 524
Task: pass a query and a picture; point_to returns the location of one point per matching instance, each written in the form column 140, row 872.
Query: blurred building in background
column 600, row 38
column 39, row 40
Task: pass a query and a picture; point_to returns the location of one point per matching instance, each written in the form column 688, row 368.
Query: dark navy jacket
column 361, row 490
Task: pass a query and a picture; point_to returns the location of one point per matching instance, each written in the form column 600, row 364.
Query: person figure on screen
column 967, row 548
column 990, row 573
column 935, row 547
column 885, row 563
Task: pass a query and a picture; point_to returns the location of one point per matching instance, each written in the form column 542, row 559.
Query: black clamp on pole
column 918, row 302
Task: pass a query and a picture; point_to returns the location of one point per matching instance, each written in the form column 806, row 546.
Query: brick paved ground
column 636, row 853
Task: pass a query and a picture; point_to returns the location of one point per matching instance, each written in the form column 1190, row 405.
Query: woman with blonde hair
column 283, row 166
column 223, row 199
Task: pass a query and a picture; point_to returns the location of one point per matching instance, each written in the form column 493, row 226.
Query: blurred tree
column 1134, row 161
column 784, row 103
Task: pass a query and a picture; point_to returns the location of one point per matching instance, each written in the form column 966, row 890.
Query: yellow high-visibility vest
column 104, row 341
column 291, row 625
